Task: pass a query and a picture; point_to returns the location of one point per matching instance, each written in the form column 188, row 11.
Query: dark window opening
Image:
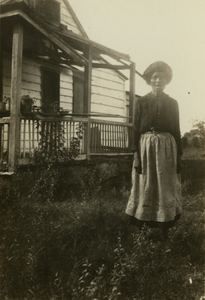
column 50, row 90
column 50, row 9
column 53, row 11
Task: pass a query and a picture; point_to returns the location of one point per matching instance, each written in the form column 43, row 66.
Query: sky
column 172, row 31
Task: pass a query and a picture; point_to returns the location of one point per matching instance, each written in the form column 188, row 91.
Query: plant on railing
column 2, row 106
column 50, row 108
column 5, row 103
column 27, row 103
column 51, row 147
column 63, row 111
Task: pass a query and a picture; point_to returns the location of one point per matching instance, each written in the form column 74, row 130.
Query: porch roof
column 71, row 44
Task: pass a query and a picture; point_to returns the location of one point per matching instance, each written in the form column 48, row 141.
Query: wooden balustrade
column 109, row 137
column 4, row 143
column 37, row 131
column 49, row 133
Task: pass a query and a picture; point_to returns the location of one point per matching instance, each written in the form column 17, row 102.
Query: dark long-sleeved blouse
column 160, row 115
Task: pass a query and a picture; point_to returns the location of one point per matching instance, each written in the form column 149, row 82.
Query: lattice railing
column 4, row 143
column 109, row 137
column 49, row 133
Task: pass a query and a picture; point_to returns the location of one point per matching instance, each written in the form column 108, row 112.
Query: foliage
column 84, row 248
column 51, row 147
column 200, row 126
column 28, row 98
column 196, row 136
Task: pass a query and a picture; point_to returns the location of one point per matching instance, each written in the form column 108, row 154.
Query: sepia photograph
column 102, row 150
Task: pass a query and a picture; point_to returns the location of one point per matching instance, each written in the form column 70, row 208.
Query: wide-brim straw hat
column 158, row 66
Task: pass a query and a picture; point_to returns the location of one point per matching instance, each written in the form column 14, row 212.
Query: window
column 49, row 9
column 50, row 90
column 53, row 11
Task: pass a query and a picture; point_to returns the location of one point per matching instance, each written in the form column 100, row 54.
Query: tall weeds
column 71, row 240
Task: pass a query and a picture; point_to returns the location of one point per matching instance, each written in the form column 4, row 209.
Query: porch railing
column 109, row 137
column 106, row 137
column 49, row 133
column 4, row 143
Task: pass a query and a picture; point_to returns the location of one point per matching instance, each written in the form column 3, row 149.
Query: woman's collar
column 152, row 96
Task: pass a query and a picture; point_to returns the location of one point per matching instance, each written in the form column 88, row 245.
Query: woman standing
column 156, row 188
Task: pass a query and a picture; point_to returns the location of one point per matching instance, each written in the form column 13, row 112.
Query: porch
column 57, row 48
column 106, row 138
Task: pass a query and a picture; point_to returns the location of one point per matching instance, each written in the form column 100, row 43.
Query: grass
column 85, row 248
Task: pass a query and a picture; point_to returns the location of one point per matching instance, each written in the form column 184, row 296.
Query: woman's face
column 158, row 82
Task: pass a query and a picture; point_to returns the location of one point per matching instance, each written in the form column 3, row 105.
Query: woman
column 156, row 189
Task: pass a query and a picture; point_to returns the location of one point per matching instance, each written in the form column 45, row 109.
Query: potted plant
column 6, row 101
column 63, row 111
column 26, row 103
column 50, row 108
column 3, row 103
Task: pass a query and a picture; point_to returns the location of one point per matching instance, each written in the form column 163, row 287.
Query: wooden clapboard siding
column 66, row 90
column 67, row 19
column 66, row 106
column 107, row 101
column 66, row 75
column 108, row 89
column 30, row 86
column 31, row 83
column 31, row 80
column 108, row 109
column 66, row 102
column 105, row 82
column 35, row 79
column 66, row 83
column 108, row 93
column 107, row 74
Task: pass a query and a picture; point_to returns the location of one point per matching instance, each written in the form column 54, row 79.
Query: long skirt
column 156, row 193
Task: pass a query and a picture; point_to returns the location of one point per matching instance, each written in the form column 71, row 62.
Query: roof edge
column 69, row 7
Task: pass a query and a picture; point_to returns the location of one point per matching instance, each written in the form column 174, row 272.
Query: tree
column 196, row 142
column 185, row 140
column 196, row 137
column 200, row 127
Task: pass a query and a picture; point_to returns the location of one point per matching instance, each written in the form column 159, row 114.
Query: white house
column 47, row 56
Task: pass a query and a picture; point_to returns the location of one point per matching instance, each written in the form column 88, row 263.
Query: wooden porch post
column 1, row 70
column 132, row 91
column 131, row 100
column 16, row 71
column 87, row 97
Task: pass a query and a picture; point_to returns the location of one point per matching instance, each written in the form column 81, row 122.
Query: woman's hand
column 137, row 163
column 179, row 163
